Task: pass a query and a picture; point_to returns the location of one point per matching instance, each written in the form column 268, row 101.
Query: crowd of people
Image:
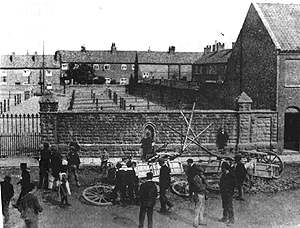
column 52, row 166
column 128, row 189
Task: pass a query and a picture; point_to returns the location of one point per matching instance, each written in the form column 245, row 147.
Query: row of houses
column 113, row 64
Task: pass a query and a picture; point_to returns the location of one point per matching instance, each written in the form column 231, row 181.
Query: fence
column 19, row 135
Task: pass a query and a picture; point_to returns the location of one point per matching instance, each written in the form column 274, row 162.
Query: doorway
column 292, row 129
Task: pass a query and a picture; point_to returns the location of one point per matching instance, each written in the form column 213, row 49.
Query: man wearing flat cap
column 164, row 185
column 191, row 171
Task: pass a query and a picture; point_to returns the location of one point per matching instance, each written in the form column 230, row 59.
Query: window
column 146, row 75
column 132, row 66
column 123, row 67
column 64, row 66
column 292, row 76
column 48, row 72
column 106, row 67
column 26, row 73
column 96, row 67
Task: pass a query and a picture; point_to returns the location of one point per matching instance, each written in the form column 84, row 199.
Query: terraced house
column 28, row 69
column 117, row 65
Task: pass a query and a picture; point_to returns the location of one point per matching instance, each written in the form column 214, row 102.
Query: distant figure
column 148, row 194
column 73, row 161
column 56, row 163
column 164, row 185
column 104, row 160
column 130, row 181
column 222, row 139
column 227, row 184
column 7, row 192
column 199, row 195
column 146, row 145
column 240, row 176
column 25, row 181
column 44, row 165
column 191, row 171
column 120, row 185
column 30, row 207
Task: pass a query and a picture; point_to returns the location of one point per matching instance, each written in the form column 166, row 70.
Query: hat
column 23, row 166
column 149, row 175
column 225, row 165
column 189, row 161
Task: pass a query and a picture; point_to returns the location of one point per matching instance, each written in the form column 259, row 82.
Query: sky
column 189, row 25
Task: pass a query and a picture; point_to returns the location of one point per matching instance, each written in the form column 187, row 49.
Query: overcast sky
column 189, row 25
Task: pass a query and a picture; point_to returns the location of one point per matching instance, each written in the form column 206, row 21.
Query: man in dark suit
column 25, row 182
column 227, row 184
column 191, row 172
column 148, row 194
column 164, row 185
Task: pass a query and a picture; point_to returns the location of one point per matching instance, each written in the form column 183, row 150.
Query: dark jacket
column 199, row 184
column 227, row 183
column 120, row 177
column 164, row 177
column 44, row 163
column 7, row 191
column 130, row 177
column 191, row 172
column 56, row 163
column 148, row 194
column 25, row 181
column 240, row 173
column 73, row 159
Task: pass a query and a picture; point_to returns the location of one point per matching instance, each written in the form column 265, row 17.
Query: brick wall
column 121, row 132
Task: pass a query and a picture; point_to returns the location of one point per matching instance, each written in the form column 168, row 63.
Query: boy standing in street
column 164, row 185
column 148, row 194
column 240, row 176
column 73, row 161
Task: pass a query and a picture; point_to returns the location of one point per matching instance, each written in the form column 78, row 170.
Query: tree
column 82, row 73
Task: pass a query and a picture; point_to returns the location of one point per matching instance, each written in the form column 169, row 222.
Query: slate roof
column 97, row 56
column 221, row 56
column 144, row 57
column 28, row 61
column 156, row 57
column 282, row 22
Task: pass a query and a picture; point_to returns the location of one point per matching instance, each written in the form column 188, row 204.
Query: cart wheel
column 272, row 158
column 98, row 195
column 180, row 188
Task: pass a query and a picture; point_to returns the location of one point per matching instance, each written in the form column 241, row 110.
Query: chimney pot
column 113, row 47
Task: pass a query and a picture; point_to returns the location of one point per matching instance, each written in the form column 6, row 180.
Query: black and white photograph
column 158, row 114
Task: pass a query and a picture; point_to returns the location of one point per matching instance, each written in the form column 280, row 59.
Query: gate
column 19, row 135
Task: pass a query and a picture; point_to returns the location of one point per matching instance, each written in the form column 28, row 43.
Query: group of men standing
column 232, row 177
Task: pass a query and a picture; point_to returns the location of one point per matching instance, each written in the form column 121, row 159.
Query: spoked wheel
column 180, row 188
column 273, row 159
column 98, row 195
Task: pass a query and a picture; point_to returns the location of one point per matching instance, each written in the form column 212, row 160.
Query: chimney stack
column 171, row 49
column 113, row 48
column 207, row 49
column 83, row 48
column 220, row 46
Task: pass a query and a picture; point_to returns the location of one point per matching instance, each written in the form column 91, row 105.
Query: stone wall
column 121, row 132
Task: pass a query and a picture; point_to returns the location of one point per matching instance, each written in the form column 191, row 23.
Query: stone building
column 265, row 64
column 28, row 69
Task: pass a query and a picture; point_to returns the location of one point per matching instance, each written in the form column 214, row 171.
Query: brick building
column 28, row 69
column 115, row 64
column 167, row 65
column 211, row 67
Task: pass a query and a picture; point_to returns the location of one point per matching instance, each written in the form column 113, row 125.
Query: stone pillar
column 48, row 102
column 244, row 103
column 48, row 117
